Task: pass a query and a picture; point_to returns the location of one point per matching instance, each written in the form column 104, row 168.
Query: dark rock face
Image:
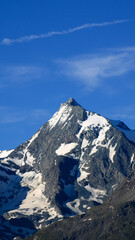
column 72, row 163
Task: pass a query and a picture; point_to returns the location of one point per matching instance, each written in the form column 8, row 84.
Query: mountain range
column 73, row 163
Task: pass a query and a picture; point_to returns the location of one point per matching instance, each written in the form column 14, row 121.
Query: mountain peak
column 72, row 163
column 72, row 102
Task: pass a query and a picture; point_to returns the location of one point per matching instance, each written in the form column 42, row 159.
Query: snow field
column 65, row 148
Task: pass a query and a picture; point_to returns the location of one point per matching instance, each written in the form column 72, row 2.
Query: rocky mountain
column 114, row 219
column 72, row 163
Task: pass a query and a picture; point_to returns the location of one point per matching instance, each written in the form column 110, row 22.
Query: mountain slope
column 72, row 163
column 113, row 220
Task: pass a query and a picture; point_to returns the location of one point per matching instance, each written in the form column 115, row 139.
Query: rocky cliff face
column 114, row 219
column 72, row 163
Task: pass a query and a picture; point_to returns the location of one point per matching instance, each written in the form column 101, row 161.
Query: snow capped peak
column 63, row 114
column 71, row 102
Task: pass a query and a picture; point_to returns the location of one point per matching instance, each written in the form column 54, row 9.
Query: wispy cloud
column 9, row 41
column 20, row 73
column 123, row 115
column 9, row 115
column 92, row 70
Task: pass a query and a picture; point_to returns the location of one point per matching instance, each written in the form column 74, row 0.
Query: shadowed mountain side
column 14, row 194
column 113, row 220
column 12, row 181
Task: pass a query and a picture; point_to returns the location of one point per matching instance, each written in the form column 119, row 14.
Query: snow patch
column 74, row 206
column 114, row 186
column 83, row 174
column 112, row 152
column 82, row 155
column 65, row 148
column 5, row 153
column 31, row 179
column 85, row 143
column 98, row 142
column 61, row 116
column 35, row 201
column 93, row 120
column 94, row 150
column 17, row 161
column 30, row 159
column 132, row 158
column 97, row 194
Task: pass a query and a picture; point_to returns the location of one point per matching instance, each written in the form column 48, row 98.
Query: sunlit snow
column 5, row 153
column 61, row 116
column 96, row 193
column 99, row 140
column 83, row 174
column 65, row 148
column 112, row 152
column 92, row 121
column 35, row 200
column 85, row 143
column 74, row 206
column 132, row 158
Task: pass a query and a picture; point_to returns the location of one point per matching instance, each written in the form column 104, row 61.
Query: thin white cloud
column 9, row 115
column 92, row 70
column 122, row 115
column 20, row 73
column 9, row 41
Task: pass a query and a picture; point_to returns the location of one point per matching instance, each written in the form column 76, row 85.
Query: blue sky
column 53, row 50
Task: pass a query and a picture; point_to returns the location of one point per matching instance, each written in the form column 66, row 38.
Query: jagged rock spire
column 72, row 102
